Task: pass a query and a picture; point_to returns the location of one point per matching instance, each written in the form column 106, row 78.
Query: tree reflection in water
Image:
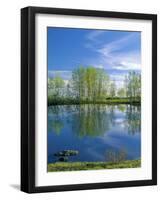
column 93, row 120
column 116, row 156
column 133, row 119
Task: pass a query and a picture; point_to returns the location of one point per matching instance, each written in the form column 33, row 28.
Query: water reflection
column 97, row 132
column 94, row 120
column 115, row 156
column 133, row 119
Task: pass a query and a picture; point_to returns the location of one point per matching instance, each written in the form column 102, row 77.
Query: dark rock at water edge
column 66, row 153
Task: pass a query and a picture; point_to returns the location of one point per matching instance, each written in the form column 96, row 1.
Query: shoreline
column 52, row 102
column 76, row 166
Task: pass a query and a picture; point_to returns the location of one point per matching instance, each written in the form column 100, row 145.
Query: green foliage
column 109, row 100
column 93, row 85
column 89, row 83
column 74, row 166
column 133, row 85
column 121, row 92
column 112, row 89
column 55, row 87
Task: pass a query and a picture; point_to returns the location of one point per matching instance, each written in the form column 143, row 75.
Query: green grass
column 74, row 166
column 61, row 101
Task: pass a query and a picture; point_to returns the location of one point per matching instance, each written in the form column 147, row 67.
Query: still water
column 94, row 130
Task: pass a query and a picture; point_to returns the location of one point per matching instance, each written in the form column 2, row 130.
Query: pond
column 94, row 131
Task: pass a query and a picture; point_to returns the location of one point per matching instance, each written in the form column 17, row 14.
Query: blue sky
column 117, row 52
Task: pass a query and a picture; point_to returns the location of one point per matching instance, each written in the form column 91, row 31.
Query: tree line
column 93, row 84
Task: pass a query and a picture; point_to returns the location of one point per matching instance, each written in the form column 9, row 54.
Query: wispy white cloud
column 93, row 35
column 116, row 45
column 99, row 66
column 112, row 55
column 93, row 38
column 130, row 60
column 128, row 66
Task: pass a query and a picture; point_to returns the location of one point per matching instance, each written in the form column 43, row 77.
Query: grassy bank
column 74, row 166
column 61, row 101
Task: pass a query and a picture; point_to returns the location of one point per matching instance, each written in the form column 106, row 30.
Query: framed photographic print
column 88, row 99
